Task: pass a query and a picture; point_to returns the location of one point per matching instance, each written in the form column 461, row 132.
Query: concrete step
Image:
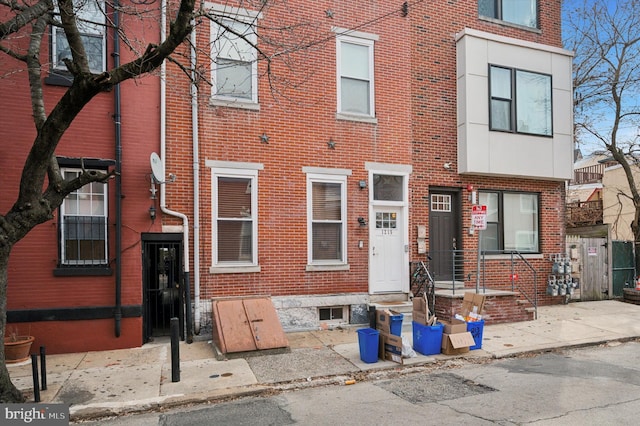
column 449, row 284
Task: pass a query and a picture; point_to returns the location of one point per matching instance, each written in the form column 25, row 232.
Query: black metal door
column 444, row 232
column 163, row 295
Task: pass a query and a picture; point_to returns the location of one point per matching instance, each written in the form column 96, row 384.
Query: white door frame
column 403, row 205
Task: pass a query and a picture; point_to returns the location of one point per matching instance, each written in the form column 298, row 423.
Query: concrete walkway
column 97, row 384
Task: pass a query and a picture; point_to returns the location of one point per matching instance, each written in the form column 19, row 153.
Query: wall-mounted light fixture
column 362, row 184
column 361, row 221
column 152, row 213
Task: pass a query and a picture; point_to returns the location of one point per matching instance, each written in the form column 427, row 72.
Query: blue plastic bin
column 427, row 339
column 476, row 328
column 396, row 324
column 368, row 339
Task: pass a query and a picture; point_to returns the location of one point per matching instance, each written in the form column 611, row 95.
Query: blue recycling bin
column 427, row 339
column 476, row 329
column 368, row 339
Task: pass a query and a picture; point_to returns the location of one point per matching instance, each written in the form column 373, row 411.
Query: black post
column 175, row 350
column 372, row 317
column 43, row 368
column 36, row 384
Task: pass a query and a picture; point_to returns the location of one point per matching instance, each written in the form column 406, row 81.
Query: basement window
column 337, row 314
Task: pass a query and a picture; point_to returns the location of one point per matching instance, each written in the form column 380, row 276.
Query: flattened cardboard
column 420, row 313
column 419, row 304
column 470, row 300
column 419, row 317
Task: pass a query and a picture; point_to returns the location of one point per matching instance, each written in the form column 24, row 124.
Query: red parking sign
column 479, row 217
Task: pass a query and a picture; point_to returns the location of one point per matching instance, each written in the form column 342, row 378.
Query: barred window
column 83, row 225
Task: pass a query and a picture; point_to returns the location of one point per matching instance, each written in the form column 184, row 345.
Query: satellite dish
column 157, row 168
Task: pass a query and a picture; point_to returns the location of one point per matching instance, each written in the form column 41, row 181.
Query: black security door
column 163, row 296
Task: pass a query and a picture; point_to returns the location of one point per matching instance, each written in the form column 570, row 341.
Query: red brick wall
column 415, row 60
column 299, row 127
column 32, row 284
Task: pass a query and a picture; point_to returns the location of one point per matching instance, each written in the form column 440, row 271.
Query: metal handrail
column 464, row 266
column 534, row 302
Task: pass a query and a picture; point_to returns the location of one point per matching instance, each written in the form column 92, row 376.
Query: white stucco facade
column 481, row 151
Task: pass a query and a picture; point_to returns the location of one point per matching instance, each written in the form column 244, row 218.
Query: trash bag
column 407, row 350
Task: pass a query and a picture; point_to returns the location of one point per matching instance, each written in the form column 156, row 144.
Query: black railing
column 467, row 266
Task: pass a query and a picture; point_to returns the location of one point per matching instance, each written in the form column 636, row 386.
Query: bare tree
column 605, row 37
column 22, row 33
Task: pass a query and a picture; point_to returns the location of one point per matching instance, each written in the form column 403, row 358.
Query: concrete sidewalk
column 97, row 384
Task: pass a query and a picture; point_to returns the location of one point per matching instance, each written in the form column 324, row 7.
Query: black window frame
column 513, row 117
column 498, row 14
column 65, row 269
column 500, row 233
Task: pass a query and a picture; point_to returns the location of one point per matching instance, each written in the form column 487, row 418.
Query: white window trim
column 237, row 170
column 103, row 33
column 329, row 176
column 363, row 39
column 248, row 17
column 95, row 262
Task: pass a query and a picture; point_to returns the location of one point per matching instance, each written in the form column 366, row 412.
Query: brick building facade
column 314, row 169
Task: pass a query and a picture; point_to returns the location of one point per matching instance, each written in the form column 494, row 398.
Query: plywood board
column 246, row 324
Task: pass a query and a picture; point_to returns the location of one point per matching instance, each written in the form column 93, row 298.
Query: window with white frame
column 326, row 200
column 90, row 16
column 512, row 221
column 234, row 71
column 520, row 12
column 83, row 224
column 355, row 75
column 520, row 101
column 235, row 227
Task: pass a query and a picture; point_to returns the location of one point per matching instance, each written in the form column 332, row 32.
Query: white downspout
column 195, row 135
column 163, row 145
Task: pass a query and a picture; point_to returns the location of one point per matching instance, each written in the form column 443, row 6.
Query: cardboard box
column 389, row 322
column 390, row 347
column 469, row 301
column 458, row 343
column 454, row 326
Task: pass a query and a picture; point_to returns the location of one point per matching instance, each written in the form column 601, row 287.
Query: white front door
column 387, row 255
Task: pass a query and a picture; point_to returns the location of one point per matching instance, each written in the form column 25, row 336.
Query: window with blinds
column 235, row 218
column 327, row 204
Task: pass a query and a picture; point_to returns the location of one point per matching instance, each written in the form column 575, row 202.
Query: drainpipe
column 118, row 178
column 196, row 180
column 163, row 152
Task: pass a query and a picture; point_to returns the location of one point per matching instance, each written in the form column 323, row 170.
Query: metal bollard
column 36, row 384
column 43, row 369
column 175, row 350
column 372, row 317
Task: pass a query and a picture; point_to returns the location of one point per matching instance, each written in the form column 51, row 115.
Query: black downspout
column 118, row 178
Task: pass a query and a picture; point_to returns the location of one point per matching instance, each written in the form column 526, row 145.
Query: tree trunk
column 8, row 392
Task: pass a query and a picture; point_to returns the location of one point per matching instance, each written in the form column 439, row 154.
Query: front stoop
column 499, row 306
column 398, row 302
